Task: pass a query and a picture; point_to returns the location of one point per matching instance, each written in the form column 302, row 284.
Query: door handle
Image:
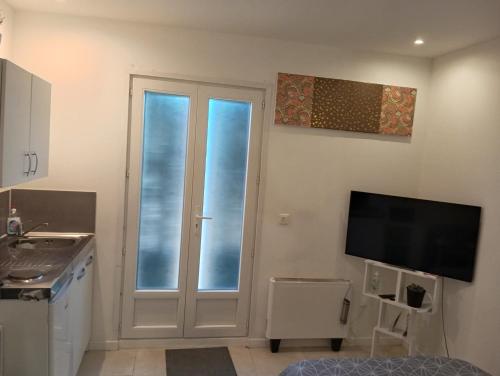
column 197, row 222
column 27, row 155
column 201, row 217
column 36, row 163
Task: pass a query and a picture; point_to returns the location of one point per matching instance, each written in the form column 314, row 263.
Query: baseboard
column 108, row 345
column 176, row 343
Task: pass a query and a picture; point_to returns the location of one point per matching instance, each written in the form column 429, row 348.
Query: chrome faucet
column 22, row 234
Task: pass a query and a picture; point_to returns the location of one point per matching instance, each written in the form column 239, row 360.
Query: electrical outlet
column 284, row 219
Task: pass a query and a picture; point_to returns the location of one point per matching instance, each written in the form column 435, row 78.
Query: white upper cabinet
column 40, row 127
column 15, row 116
column 24, row 125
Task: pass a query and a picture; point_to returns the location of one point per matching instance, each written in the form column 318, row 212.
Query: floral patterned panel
column 398, row 107
column 294, row 100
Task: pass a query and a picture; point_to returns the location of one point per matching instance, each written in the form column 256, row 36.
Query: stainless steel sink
column 41, row 261
column 43, row 243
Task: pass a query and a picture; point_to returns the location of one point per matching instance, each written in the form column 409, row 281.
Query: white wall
column 7, row 33
column 6, row 30
column 308, row 172
column 461, row 163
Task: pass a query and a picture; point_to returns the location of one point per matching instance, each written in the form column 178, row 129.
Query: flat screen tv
column 434, row 237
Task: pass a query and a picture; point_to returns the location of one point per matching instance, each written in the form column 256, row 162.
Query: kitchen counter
column 35, row 269
column 45, row 318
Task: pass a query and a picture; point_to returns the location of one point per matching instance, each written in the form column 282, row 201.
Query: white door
column 194, row 157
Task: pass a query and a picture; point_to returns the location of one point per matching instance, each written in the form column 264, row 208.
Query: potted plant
column 415, row 295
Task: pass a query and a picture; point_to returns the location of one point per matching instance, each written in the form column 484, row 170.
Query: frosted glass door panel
column 162, row 190
column 224, row 193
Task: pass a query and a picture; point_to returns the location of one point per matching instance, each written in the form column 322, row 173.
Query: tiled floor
column 247, row 361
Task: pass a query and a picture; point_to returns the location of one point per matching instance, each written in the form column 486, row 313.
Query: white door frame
column 129, row 328
column 267, row 119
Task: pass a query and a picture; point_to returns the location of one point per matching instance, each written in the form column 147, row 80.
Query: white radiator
column 307, row 308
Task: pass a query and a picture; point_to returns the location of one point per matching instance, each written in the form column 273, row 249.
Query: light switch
column 284, row 218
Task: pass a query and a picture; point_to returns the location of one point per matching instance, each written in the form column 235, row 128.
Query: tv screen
column 434, row 237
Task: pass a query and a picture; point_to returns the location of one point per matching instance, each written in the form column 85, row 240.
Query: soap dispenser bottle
column 14, row 225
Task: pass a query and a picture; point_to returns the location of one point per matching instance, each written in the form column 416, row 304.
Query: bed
column 410, row 366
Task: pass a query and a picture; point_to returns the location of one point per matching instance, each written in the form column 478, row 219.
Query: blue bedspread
column 411, row 366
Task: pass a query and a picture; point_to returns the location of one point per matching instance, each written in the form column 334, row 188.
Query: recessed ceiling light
column 419, row 41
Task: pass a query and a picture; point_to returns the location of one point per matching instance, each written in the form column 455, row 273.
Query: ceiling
column 381, row 25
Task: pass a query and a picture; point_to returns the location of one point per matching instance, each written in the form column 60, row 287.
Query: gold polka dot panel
column 346, row 105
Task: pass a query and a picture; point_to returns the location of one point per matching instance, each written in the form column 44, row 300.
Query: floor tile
column 242, row 360
column 269, row 364
column 394, row 351
column 247, row 361
column 108, row 363
column 149, row 362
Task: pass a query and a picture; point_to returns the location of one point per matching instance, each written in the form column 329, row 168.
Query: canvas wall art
column 317, row 102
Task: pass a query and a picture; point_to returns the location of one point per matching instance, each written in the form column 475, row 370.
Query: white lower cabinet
column 80, row 311
column 60, row 348
column 24, row 331
column 70, row 321
column 87, row 306
column 64, row 323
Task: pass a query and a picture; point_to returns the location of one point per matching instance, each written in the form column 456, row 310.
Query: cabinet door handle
column 27, row 155
column 89, row 261
column 36, row 163
column 81, row 275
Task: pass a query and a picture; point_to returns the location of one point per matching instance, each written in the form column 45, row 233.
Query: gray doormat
column 214, row 361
